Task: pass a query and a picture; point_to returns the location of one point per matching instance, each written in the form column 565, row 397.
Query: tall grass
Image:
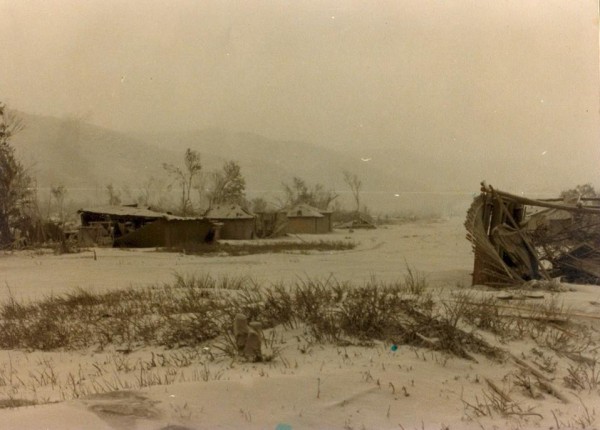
column 195, row 309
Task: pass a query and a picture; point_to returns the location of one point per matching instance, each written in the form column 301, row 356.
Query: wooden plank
column 548, row 205
column 523, row 238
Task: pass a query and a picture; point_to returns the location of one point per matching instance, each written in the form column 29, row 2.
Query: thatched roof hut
column 306, row 219
column 238, row 223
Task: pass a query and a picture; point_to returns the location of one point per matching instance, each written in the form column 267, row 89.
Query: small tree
column 355, row 184
column 114, row 197
column 185, row 177
column 579, row 192
column 258, row 205
column 299, row 192
column 146, row 191
column 59, row 193
column 228, row 185
column 15, row 183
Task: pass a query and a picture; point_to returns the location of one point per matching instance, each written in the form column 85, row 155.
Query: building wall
column 324, row 224
column 237, row 229
column 189, row 231
column 93, row 235
column 167, row 233
column 148, row 236
column 303, row 225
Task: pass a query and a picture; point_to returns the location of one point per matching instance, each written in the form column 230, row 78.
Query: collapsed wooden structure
column 516, row 239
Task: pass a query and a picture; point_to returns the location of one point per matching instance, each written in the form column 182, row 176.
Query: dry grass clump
column 545, row 322
column 482, row 312
column 169, row 314
column 193, row 310
column 583, row 376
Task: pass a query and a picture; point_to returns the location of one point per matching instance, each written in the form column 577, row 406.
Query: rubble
column 517, row 239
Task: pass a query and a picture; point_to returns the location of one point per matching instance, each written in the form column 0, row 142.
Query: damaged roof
column 134, row 212
column 128, row 211
column 305, row 211
column 228, row 211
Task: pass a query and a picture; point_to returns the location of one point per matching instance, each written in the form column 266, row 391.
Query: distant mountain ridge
column 85, row 158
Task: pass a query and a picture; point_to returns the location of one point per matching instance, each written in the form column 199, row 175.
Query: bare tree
column 15, row 183
column 185, row 177
column 258, row 205
column 584, row 191
column 114, row 197
column 355, row 184
column 59, row 193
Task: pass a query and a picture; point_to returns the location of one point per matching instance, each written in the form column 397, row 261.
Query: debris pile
column 517, row 239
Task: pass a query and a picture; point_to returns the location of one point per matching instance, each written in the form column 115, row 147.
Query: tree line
column 197, row 189
column 19, row 208
column 228, row 185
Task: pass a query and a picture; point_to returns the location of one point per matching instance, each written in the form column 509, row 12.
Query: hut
column 125, row 226
column 308, row 220
column 237, row 222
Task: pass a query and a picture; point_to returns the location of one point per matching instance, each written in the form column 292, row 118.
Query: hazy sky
column 460, row 74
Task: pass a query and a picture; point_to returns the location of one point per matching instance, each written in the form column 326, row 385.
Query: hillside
column 423, row 176
column 85, row 158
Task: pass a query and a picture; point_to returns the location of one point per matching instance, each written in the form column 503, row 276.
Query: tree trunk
column 5, row 235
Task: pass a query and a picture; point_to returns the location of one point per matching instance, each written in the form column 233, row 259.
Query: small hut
column 308, row 220
column 237, row 222
column 126, row 226
column 271, row 223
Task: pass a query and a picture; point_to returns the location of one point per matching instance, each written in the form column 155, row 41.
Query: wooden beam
column 525, row 240
column 544, row 204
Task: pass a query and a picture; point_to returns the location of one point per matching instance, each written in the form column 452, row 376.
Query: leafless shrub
column 583, row 376
column 494, row 402
column 193, row 310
